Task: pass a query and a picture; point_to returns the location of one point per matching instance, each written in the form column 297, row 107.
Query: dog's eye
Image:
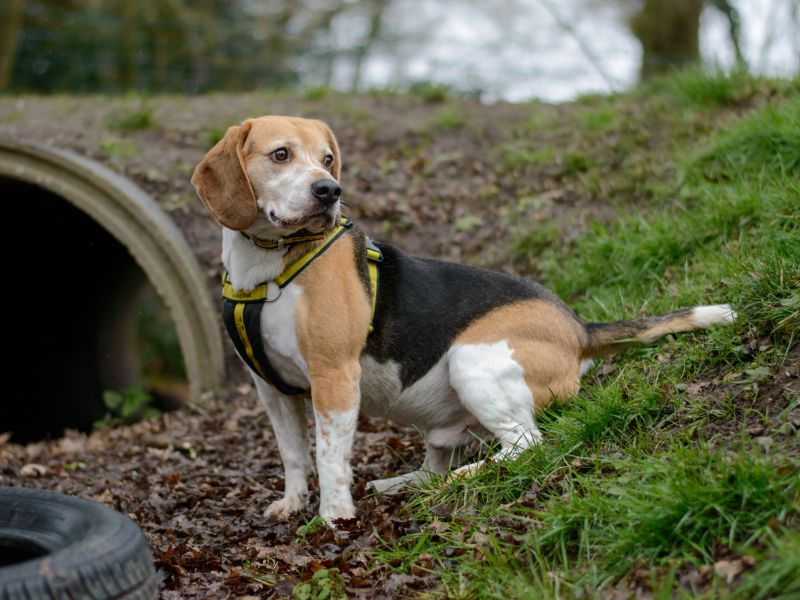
column 328, row 160
column 280, row 155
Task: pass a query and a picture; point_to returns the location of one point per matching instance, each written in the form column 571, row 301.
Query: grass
column 448, row 119
column 704, row 88
column 432, row 93
column 133, row 119
column 775, row 576
column 514, row 156
column 118, row 148
column 644, row 485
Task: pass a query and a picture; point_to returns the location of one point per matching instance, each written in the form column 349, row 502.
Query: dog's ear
column 221, row 181
column 336, row 166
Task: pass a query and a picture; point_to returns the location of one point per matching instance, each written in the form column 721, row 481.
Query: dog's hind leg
column 491, row 385
column 288, row 419
column 438, row 460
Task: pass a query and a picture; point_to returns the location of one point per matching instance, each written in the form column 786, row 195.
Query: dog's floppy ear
column 336, row 166
column 221, row 181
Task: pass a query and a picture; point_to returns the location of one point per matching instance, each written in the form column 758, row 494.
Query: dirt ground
column 197, row 482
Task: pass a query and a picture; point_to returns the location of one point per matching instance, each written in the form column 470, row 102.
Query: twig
column 584, row 47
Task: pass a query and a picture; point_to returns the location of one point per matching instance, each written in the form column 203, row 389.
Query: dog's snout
column 326, row 191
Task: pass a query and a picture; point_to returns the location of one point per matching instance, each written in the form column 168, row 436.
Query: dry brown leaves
column 197, row 483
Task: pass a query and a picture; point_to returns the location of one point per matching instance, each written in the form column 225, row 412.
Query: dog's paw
column 282, row 509
column 467, row 470
column 340, row 510
column 387, row 487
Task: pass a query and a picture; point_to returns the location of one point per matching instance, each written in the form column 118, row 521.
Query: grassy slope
column 675, row 470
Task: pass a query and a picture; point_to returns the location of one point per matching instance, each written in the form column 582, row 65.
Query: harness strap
column 242, row 308
column 260, row 292
column 374, row 256
column 243, row 323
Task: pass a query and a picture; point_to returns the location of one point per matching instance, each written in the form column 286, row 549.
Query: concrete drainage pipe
column 70, row 275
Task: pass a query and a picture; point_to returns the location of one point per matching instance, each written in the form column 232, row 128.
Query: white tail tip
column 716, row 314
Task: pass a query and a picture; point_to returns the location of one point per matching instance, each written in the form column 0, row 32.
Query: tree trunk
column 376, row 8
column 669, row 32
column 10, row 28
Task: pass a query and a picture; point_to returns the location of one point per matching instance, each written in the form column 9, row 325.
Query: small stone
column 33, row 470
column 764, row 441
column 755, row 430
column 728, row 569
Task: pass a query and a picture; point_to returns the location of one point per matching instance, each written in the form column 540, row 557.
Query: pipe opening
column 82, row 320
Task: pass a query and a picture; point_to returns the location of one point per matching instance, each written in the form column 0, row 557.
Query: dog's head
column 272, row 176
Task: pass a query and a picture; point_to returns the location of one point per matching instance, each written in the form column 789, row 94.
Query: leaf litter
column 197, row 483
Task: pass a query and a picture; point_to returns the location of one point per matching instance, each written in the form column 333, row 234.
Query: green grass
column 736, row 214
column 775, row 575
column 448, row 119
column 135, row 119
column 680, row 506
column 432, row 93
column 316, row 92
column 211, row 135
column 704, row 88
column 118, row 148
column 601, row 118
column 641, row 480
column 513, row 156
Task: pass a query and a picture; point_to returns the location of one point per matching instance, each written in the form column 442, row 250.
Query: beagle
column 454, row 351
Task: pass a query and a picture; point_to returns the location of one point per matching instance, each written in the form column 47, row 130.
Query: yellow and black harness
column 242, row 308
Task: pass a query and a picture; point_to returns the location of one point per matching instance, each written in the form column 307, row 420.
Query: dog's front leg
column 336, row 396
column 288, row 418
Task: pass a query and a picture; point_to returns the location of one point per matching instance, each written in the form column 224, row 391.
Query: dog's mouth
column 319, row 220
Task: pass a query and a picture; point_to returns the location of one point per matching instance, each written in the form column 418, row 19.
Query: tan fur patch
column 546, row 342
column 268, row 132
column 231, row 176
column 222, row 183
column 679, row 324
column 333, row 316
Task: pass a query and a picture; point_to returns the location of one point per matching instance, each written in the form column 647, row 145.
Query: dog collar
column 260, row 292
column 242, row 308
column 286, row 242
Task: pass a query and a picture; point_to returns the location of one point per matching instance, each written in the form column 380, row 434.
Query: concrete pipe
column 80, row 241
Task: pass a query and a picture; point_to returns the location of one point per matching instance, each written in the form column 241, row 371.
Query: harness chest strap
column 242, row 308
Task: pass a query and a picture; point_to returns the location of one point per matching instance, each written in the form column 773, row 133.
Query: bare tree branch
column 586, row 50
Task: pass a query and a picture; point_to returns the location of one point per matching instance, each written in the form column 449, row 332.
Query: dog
column 454, row 351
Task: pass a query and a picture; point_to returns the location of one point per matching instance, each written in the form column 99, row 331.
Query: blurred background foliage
column 188, row 47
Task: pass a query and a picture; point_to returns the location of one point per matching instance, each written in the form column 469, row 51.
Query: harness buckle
column 279, row 244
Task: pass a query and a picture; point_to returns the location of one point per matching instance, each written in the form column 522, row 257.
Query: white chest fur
column 279, row 334
column 249, row 266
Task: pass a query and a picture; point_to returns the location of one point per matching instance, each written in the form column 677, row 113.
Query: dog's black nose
column 326, row 191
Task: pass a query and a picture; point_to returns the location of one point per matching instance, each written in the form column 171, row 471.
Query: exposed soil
column 767, row 404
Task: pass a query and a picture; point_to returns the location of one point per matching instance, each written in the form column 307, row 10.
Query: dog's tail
column 607, row 338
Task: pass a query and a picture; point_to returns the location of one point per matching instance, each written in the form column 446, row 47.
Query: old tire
column 58, row 546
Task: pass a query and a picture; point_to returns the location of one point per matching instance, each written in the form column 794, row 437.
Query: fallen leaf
column 729, row 569
column 33, row 470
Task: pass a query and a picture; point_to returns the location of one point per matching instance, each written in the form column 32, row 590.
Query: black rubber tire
column 76, row 549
